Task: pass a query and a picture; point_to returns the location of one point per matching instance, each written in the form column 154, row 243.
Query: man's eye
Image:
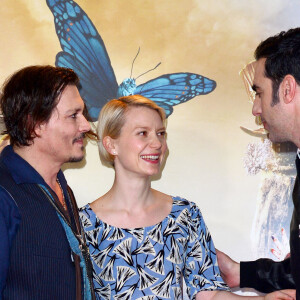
column 73, row 116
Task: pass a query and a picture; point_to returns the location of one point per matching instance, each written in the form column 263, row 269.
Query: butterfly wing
column 172, row 89
column 84, row 52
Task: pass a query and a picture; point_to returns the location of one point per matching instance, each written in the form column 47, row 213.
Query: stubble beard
column 276, row 134
column 77, row 159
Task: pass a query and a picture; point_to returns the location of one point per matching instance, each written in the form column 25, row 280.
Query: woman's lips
column 152, row 158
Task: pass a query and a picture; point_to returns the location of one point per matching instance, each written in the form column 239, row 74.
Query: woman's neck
column 132, row 194
column 132, row 203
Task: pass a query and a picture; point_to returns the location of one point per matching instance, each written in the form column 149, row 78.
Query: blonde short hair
column 112, row 118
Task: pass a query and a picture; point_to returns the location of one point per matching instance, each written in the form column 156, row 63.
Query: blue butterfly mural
column 84, row 52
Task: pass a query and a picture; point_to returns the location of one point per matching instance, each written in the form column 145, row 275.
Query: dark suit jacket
column 266, row 275
column 40, row 265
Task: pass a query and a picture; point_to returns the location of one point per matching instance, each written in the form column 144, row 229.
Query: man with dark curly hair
column 277, row 103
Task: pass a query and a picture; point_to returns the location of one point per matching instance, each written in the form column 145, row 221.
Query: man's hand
column 281, row 295
column 230, row 270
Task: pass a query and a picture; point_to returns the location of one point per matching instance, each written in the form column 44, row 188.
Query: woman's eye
column 142, row 133
column 73, row 116
column 161, row 133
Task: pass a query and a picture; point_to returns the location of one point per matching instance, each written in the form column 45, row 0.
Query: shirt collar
column 298, row 162
column 21, row 170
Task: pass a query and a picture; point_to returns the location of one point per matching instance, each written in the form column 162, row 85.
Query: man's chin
column 76, row 159
column 277, row 139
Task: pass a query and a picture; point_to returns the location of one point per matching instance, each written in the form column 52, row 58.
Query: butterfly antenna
column 148, row 71
column 134, row 61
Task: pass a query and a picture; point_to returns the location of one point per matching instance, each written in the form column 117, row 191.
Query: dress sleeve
column 201, row 267
column 9, row 223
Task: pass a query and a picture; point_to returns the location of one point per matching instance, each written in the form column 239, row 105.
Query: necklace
column 62, row 201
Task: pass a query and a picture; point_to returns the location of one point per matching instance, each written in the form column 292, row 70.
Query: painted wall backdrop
column 206, row 145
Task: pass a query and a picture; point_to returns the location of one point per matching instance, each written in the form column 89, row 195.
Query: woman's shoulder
column 87, row 217
column 179, row 201
column 175, row 200
column 84, row 208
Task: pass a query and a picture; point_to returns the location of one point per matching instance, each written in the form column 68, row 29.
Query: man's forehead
column 260, row 67
column 259, row 71
column 70, row 99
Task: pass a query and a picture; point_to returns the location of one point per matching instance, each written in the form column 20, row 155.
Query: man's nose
column 256, row 108
column 85, row 125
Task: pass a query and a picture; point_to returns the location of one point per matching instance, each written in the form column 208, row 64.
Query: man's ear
column 288, row 88
column 109, row 145
column 38, row 129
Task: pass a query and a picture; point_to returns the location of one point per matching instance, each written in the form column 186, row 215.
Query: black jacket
column 264, row 274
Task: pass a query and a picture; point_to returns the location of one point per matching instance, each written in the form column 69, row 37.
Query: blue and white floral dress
column 151, row 262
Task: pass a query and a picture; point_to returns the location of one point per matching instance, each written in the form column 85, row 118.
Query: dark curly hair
column 28, row 98
column 282, row 53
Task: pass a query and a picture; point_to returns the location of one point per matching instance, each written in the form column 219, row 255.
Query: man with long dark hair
column 42, row 250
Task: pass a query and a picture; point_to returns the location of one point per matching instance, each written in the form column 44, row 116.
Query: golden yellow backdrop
column 212, row 38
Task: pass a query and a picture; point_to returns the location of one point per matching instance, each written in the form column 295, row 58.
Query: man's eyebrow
column 254, row 87
column 74, row 110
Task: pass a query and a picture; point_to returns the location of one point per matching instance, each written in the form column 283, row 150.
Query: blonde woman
column 143, row 242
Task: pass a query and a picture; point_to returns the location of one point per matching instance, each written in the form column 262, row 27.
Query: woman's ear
column 109, row 145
